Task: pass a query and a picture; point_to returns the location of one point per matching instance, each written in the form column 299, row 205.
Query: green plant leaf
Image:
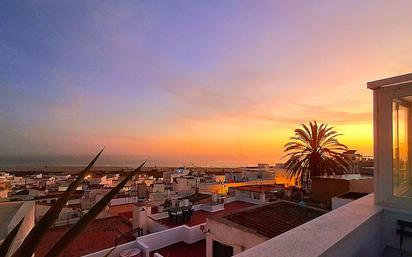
column 5, row 246
column 36, row 234
column 77, row 228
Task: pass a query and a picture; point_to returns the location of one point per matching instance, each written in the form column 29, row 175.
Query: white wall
column 229, row 235
column 338, row 202
column 212, row 208
column 218, row 188
column 243, row 199
column 27, row 210
column 123, row 200
column 363, row 241
column 115, row 252
column 168, row 237
column 66, row 216
column 155, row 241
column 153, row 226
column 352, row 230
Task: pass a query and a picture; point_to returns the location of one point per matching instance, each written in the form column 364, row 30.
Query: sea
column 7, row 161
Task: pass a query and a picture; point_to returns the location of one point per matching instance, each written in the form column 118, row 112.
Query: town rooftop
column 200, row 216
column 271, row 219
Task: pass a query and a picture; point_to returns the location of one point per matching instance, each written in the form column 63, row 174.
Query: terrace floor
column 200, row 216
column 98, row 235
column 183, row 249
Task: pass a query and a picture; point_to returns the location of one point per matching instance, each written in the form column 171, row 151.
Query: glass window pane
column 402, row 177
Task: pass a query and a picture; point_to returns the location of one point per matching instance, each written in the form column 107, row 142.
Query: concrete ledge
column 317, row 237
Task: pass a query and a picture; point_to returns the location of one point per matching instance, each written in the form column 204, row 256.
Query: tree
column 315, row 151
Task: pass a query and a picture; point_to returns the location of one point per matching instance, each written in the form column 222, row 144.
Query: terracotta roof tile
column 275, row 218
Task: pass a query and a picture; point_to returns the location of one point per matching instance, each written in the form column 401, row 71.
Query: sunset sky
column 226, row 78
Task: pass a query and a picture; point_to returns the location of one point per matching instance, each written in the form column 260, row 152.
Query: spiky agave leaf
column 77, row 228
column 36, row 234
column 8, row 241
column 110, row 252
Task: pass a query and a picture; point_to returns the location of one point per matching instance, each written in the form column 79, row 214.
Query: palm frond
column 314, row 150
column 37, row 233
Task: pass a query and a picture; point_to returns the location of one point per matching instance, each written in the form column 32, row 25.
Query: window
column 401, row 176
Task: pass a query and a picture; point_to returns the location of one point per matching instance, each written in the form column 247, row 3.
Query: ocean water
column 128, row 160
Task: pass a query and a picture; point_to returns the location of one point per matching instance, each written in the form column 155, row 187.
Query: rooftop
column 352, row 195
column 98, row 235
column 200, row 216
column 121, row 208
column 272, row 219
column 390, row 81
column 76, row 195
column 183, row 249
column 259, row 188
column 347, row 177
column 196, row 197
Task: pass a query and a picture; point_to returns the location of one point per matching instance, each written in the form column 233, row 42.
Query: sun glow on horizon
column 208, row 79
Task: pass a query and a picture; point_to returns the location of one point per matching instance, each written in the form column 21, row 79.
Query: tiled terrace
column 99, row 235
column 275, row 218
column 183, row 249
column 200, row 216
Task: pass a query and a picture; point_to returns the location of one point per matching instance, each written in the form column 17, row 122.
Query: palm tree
column 315, row 151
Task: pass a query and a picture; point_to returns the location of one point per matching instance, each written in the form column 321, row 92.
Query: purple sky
column 192, row 77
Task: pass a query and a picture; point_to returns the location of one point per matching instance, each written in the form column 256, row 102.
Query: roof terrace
column 273, row 219
column 99, row 234
column 200, row 216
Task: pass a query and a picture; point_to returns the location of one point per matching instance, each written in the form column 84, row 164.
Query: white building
column 234, row 176
column 64, row 185
column 169, row 176
column 184, row 184
column 98, row 180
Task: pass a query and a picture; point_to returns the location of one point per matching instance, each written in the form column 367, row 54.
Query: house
column 4, row 190
column 98, row 180
column 234, row 176
column 158, row 187
column 197, row 198
column 65, row 184
column 258, row 192
column 359, row 164
column 184, row 184
column 236, row 232
column 326, row 187
column 219, row 178
column 169, row 176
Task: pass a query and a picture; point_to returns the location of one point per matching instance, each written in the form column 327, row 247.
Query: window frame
column 383, row 145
